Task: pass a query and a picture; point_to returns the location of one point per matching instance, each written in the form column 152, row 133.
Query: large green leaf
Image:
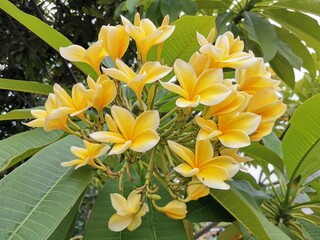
column 280, row 65
column 304, row 27
column 42, row 30
column 262, row 32
column 207, row 209
column 23, row 145
column 263, row 155
column 298, row 48
column 301, row 144
column 213, row 4
column 250, row 217
column 39, row 194
column 309, row 6
column 183, row 42
column 155, row 225
column 16, row 114
column 272, row 142
column 25, row 86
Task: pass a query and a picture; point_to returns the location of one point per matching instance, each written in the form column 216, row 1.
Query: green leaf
column 284, row 49
column 272, row 142
column 39, row 194
column 304, row 27
column 155, row 225
column 222, row 20
column 65, row 228
column 262, row 32
column 231, row 232
column 25, row 86
column 207, row 209
column 189, row 7
column 171, row 8
column 23, row 145
column 183, row 42
column 213, row 4
column 280, row 65
column 263, row 155
column 299, row 49
column 301, row 143
column 310, row 230
column 309, row 6
column 44, row 31
column 250, row 217
column 153, row 12
column 131, row 5
column 17, row 114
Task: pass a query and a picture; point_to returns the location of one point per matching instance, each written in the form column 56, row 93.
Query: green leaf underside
column 304, row 27
column 298, row 48
column 17, row 114
column 23, row 145
column 44, row 31
column 251, row 218
column 39, row 194
column 272, row 142
column 301, row 144
column 155, row 225
column 183, row 42
column 262, row 32
column 263, row 155
column 280, row 65
column 25, row 86
column 207, row 209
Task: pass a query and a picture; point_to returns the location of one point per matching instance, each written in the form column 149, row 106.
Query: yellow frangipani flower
column 209, row 39
column 232, row 131
column 200, row 63
column 235, row 102
column 104, row 91
column 174, row 209
column 53, row 118
column 196, row 190
column 145, row 33
column 78, row 103
column 266, row 103
column 87, row 155
column 129, row 212
column 115, row 40
column 211, row 171
column 227, row 52
column 254, row 78
column 233, row 152
column 207, row 89
column 126, row 132
column 149, row 73
column 92, row 56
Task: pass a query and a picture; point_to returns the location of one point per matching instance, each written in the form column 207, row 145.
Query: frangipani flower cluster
column 193, row 147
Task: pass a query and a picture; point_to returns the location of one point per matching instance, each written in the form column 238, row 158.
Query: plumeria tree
column 169, row 138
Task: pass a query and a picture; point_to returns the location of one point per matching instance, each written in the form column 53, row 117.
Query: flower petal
column 203, row 152
column 247, row 122
column 175, row 88
column 124, row 120
column 144, row 141
column 136, row 222
column 186, row 170
column 214, row 94
column 194, row 102
column 118, row 223
column 119, row 148
column 147, row 120
column 234, row 139
column 133, row 201
column 185, row 153
column 119, row 203
column 74, row 53
column 109, row 137
column 185, row 74
column 213, row 177
column 227, row 163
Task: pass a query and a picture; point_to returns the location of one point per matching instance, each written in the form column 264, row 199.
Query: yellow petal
column 185, row 74
column 194, row 102
column 175, row 88
column 119, row 148
column 74, row 53
column 247, row 122
column 104, row 94
column 118, row 223
column 62, row 96
column 185, row 153
column 213, row 177
column 186, row 170
column 146, row 140
column 234, row 139
column 96, row 150
column 228, row 163
column 203, row 152
column 147, row 120
column 200, row 62
column 135, row 223
column 175, row 209
column 133, row 201
column 112, row 126
column 108, row 137
column 154, row 71
column 205, row 135
column 124, row 120
column 79, row 152
column 94, row 55
column 214, row 94
column 117, row 74
column 196, row 191
column 201, row 39
column 215, row 53
column 119, row 203
column 72, row 163
column 205, row 124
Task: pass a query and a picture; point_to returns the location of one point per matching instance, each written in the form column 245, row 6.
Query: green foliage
column 25, row 86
